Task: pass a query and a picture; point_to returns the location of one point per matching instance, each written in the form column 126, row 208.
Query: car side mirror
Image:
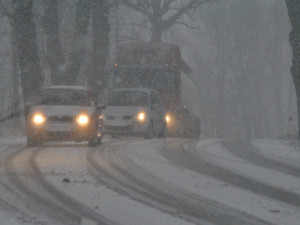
column 27, row 108
column 100, row 106
column 154, row 106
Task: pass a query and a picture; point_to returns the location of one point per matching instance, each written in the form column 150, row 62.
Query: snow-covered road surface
column 144, row 182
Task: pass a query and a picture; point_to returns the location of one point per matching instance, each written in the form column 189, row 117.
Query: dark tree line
column 65, row 69
column 93, row 16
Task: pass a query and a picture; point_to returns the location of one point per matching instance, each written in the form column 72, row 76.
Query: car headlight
column 141, row 117
column 38, row 119
column 82, row 119
column 168, row 119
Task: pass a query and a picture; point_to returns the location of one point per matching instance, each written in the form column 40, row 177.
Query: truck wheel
column 92, row 142
column 99, row 141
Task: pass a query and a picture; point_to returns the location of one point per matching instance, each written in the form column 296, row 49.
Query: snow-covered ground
column 67, row 169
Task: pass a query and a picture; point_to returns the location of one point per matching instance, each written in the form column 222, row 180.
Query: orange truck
column 157, row 66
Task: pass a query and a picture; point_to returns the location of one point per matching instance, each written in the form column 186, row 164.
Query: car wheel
column 163, row 133
column 31, row 141
column 114, row 135
column 149, row 132
column 196, row 129
column 92, row 142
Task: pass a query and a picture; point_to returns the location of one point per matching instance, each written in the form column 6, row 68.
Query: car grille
column 119, row 128
column 60, row 119
column 127, row 117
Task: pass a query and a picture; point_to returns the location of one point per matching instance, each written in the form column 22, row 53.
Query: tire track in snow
column 18, row 179
column 12, row 203
column 29, row 180
column 114, row 169
column 87, row 215
column 185, row 158
column 248, row 152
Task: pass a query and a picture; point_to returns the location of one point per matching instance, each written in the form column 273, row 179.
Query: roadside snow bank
column 281, row 150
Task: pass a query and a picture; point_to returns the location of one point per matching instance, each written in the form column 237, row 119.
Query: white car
column 134, row 111
column 63, row 113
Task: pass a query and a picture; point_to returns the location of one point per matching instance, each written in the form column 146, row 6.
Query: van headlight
column 141, row 116
column 38, row 119
column 82, row 120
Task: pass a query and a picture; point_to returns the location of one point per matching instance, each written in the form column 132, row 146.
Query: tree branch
column 7, row 13
column 173, row 19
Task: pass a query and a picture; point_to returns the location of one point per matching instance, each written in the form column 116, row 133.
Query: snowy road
column 144, row 182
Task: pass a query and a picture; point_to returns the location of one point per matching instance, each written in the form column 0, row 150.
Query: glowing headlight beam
column 168, row 118
column 82, row 119
column 38, row 119
column 141, row 116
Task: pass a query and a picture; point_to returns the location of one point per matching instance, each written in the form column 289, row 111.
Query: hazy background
column 238, row 50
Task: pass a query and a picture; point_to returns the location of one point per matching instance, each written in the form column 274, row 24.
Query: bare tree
column 88, row 12
column 163, row 14
column 55, row 58
column 15, row 101
column 99, row 54
column 293, row 7
column 27, row 50
column 82, row 19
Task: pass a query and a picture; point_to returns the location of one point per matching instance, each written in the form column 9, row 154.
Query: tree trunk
column 15, row 103
column 55, row 56
column 27, row 49
column 82, row 19
column 100, row 33
column 156, row 33
column 293, row 7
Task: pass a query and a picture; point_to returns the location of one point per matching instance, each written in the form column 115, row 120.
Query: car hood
column 118, row 111
column 59, row 110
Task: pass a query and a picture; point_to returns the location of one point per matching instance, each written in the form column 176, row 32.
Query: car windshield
column 127, row 98
column 64, row 97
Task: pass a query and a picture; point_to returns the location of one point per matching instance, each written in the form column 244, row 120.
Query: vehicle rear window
column 127, row 98
column 64, row 97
